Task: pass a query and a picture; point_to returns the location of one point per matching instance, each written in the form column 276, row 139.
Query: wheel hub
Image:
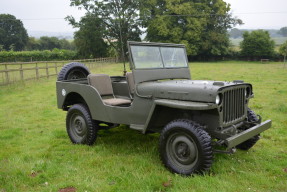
column 78, row 126
column 182, row 150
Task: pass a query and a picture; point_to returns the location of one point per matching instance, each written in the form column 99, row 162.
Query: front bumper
column 247, row 134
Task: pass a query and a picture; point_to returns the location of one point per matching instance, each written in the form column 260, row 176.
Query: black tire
column 80, row 126
column 73, row 71
column 246, row 145
column 185, row 148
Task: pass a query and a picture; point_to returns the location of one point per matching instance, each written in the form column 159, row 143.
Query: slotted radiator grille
column 233, row 104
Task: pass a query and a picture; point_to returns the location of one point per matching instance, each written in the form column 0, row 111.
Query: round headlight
column 217, row 99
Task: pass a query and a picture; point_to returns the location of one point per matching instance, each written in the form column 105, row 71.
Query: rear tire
column 246, row 145
column 80, row 126
column 185, row 148
column 73, row 71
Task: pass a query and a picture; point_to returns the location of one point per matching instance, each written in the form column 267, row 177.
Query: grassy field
column 36, row 154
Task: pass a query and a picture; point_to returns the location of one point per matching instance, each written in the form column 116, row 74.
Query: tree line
column 237, row 33
column 14, row 37
column 202, row 26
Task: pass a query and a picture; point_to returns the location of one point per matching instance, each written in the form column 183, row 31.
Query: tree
column 89, row 38
column 13, row 35
column 120, row 18
column 283, row 50
column 283, row 31
column 33, row 44
column 65, row 44
column 201, row 26
column 257, row 44
column 235, row 33
column 49, row 43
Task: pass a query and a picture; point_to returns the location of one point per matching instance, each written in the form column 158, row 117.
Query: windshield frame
column 160, row 46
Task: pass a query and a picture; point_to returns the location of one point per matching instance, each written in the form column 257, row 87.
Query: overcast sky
column 48, row 15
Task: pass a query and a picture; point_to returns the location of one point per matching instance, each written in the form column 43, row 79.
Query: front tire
column 80, row 126
column 185, row 148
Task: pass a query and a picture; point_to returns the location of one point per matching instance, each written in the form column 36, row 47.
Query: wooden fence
column 21, row 71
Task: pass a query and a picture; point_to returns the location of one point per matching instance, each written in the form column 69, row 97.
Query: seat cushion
column 117, row 101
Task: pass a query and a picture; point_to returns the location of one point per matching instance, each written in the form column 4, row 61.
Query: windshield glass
column 158, row 57
column 146, row 57
column 173, row 57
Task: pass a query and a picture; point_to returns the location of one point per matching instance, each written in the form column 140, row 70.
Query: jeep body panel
column 136, row 113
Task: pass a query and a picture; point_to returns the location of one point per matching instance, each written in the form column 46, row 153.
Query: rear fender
column 71, row 93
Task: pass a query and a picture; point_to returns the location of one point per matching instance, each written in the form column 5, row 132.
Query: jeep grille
column 233, row 104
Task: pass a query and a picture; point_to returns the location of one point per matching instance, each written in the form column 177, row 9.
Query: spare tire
column 73, row 70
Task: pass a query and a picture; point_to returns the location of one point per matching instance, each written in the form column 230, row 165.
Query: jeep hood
column 188, row 90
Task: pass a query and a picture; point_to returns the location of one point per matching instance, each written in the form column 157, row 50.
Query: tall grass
column 36, row 154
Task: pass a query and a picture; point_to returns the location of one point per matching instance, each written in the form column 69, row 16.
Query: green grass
column 36, row 154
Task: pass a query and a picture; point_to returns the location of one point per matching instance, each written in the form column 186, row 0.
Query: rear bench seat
column 103, row 84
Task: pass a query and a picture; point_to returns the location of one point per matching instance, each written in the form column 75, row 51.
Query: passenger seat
column 103, row 84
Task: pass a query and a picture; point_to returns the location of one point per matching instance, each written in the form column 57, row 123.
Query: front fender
column 173, row 105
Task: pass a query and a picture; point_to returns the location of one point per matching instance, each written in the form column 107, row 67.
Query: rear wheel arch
column 73, row 98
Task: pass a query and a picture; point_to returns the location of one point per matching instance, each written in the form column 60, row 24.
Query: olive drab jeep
column 195, row 118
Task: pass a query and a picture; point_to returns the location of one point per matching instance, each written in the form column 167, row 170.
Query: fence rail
column 22, row 71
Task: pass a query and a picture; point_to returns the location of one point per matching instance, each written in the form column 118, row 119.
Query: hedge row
column 46, row 55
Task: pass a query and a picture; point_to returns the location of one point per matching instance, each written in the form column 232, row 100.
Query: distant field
column 36, row 154
column 278, row 41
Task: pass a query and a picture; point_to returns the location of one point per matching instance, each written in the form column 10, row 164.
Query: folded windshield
column 158, row 57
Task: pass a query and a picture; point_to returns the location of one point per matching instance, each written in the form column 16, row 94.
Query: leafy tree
column 283, row 50
column 257, row 44
column 235, row 33
column 33, row 44
column 65, row 44
column 200, row 25
column 49, row 43
column 89, row 38
column 120, row 18
column 13, row 35
column 283, row 31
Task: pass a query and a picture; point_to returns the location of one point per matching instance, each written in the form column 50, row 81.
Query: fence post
column 37, row 71
column 21, row 72
column 7, row 74
column 47, row 70
column 56, row 68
